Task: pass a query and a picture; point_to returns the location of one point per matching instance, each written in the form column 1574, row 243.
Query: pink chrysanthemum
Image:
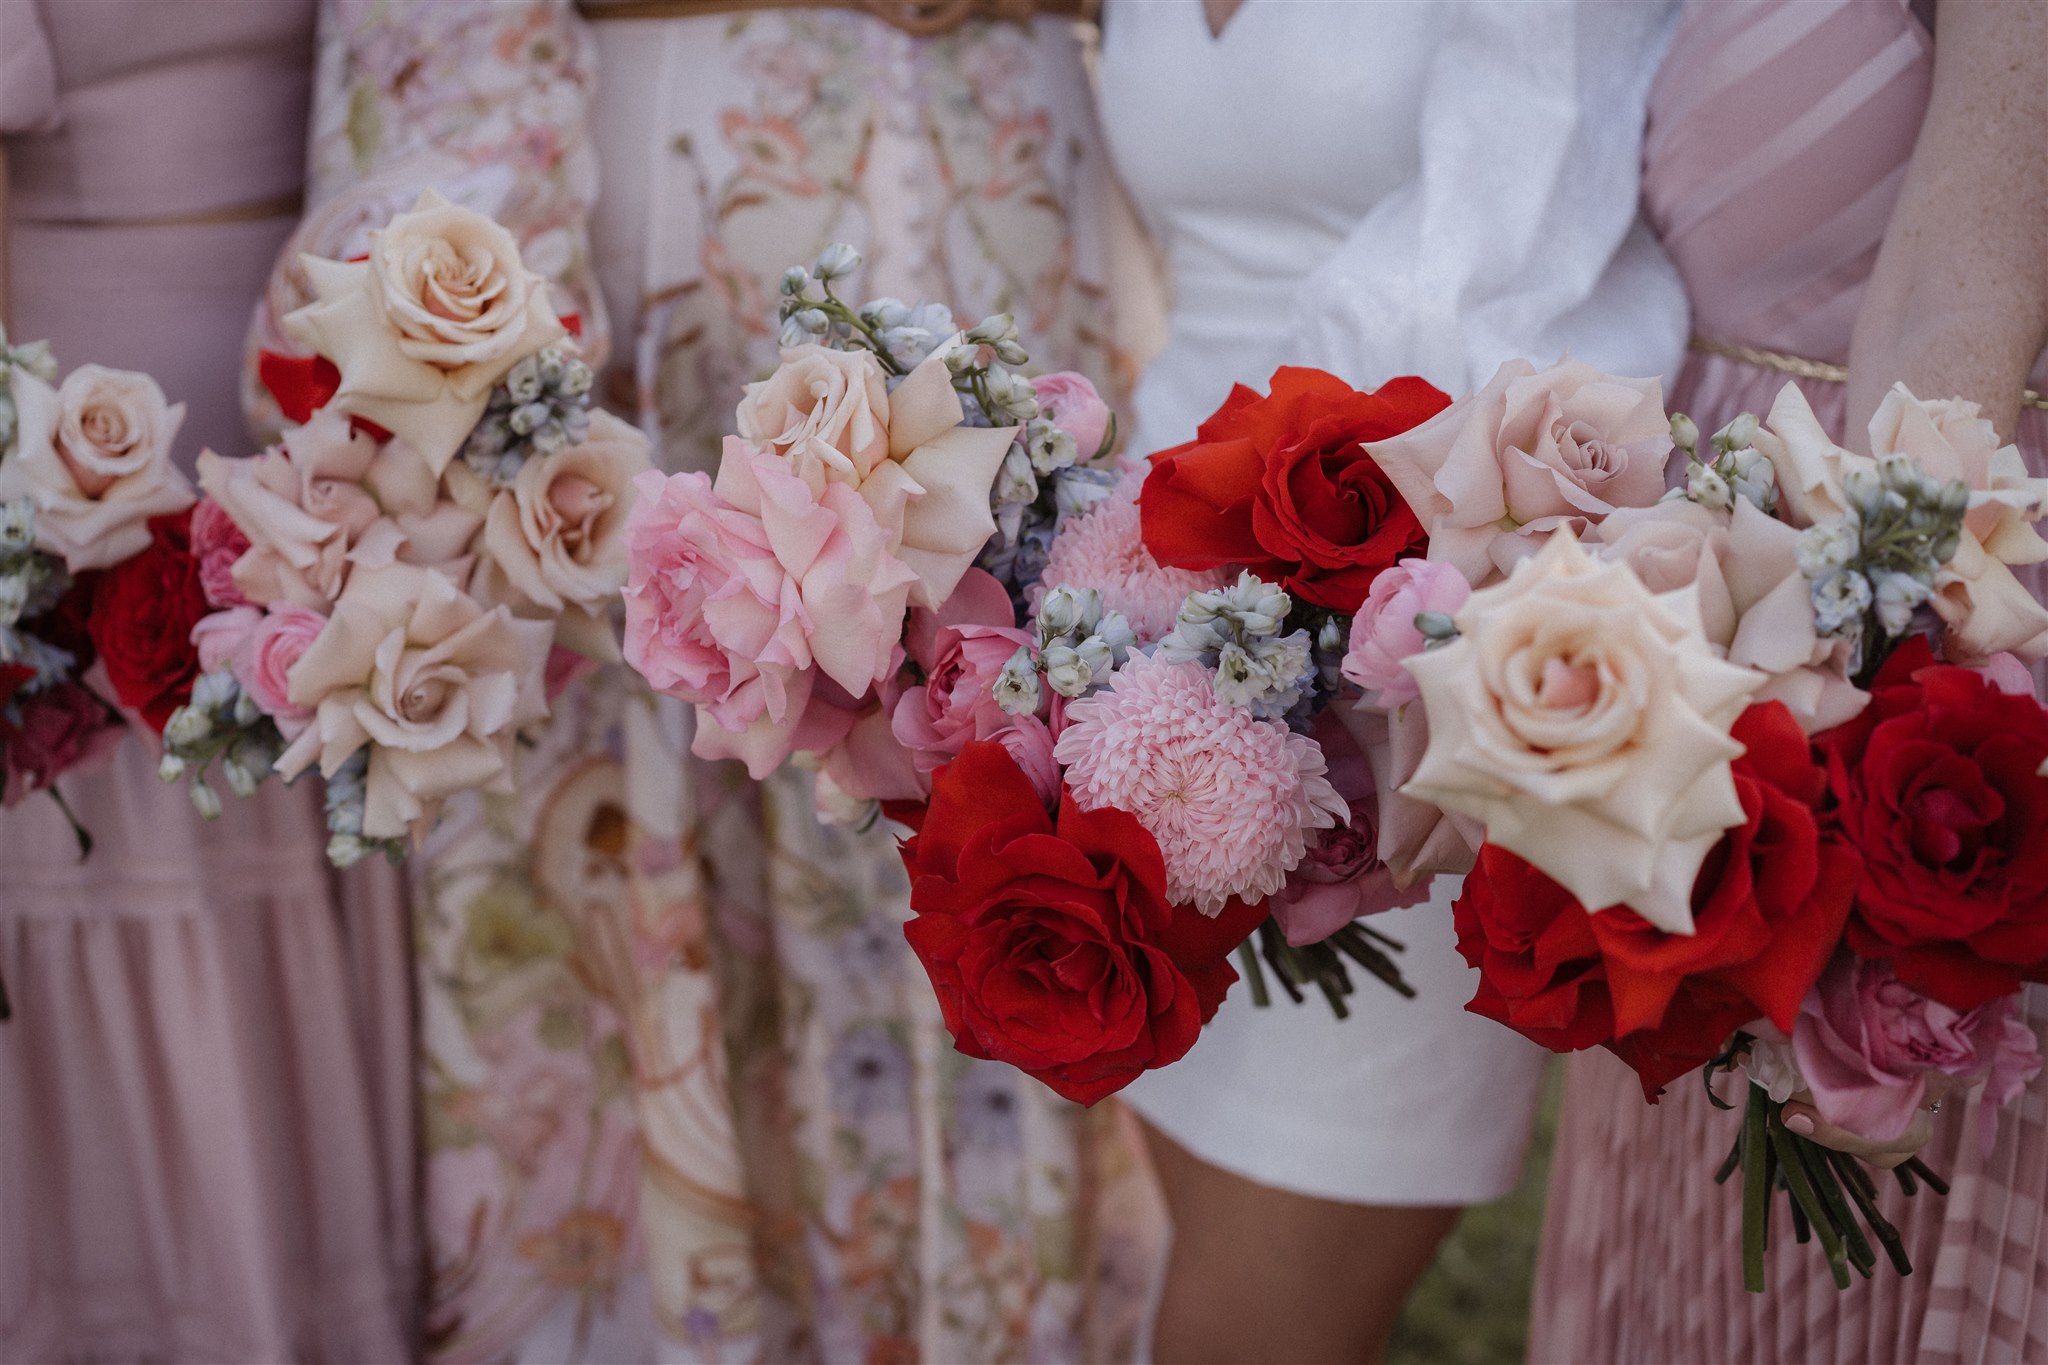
column 1230, row 798
column 1103, row 548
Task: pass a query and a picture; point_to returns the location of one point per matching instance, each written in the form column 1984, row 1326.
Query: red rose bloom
column 61, row 728
column 1281, row 484
column 1936, row 784
column 143, row 611
column 1050, row 941
column 1768, row 909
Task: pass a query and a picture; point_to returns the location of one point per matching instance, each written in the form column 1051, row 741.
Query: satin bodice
column 149, row 109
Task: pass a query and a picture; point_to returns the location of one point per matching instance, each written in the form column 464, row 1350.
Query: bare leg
column 1259, row 1274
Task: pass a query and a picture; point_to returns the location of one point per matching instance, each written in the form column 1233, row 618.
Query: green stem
column 1864, row 1191
column 1756, row 1191
column 1796, row 1183
column 1926, row 1174
column 1253, row 977
column 78, row 830
column 1821, row 1175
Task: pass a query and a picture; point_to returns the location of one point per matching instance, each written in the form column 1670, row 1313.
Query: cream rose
column 1584, row 720
column 1809, row 465
column 424, row 327
column 936, row 481
column 434, row 684
column 1534, row 450
column 330, row 500
column 94, row 458
column 557, row 538
column 825, row 411
column 1985, row 608
column 1755, row 605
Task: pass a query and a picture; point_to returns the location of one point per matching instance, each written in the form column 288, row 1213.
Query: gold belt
column 921, row 18
column 1801, row 368
column 283, row 206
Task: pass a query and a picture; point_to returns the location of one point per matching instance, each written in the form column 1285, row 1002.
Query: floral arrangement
column 930, row 579
column 399, row 588
column 1749, row 773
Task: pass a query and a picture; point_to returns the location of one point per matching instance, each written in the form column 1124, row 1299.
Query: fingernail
column 1800, row 1124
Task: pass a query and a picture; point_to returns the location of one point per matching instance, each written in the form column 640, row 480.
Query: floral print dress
column 686, row 1093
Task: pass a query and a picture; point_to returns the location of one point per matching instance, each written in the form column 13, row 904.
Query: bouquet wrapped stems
column 1833, row 1195
column 1321, row 965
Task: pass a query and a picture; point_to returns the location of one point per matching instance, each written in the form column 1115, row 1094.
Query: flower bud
column 188, row 725
column 795, row 281
column 836, row 261
column 1016, row 687
column 1684, row 433
column 1738, row 433
column 205, row 800
column 1066, row 672
column 171, row 767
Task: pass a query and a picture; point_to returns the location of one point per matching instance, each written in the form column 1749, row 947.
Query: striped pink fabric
column 1779, row 133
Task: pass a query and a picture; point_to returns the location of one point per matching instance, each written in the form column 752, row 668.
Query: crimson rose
column 143, row 611
column 1049, row 940
column 1281, row 484
column 1937, row 784
column 1768, row 908
column 61, row 728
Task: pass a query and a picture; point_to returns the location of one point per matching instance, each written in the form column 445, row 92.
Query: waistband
column 278, row 206
column 921, row 18
column 1799, row 367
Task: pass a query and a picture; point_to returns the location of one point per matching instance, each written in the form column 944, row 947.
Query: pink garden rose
column 1030, row 743
column 961, row 649
column 1342, row 876
column 223, row 637
column 737, row 591
column 1493, row 474
column 217, row 543
column 1069, row 401
column 1866, row 1043
column 1383, row 632
column 264, row 667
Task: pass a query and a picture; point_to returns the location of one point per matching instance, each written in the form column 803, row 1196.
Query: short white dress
column 1379, row 189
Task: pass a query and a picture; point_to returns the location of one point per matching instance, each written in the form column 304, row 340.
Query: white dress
column 1379, row 188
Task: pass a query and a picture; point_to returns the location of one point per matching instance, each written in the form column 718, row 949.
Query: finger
column 1806, row 1121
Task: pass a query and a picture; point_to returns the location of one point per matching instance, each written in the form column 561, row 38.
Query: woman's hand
column 1802, row 1118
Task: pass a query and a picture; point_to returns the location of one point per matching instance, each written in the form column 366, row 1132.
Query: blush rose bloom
column 556, row 540
column 330, row 500
column 928, row 477
column 1341, row 876
column 218, row 543
column 1069, row 401
column 826, row 411
column 1383, row 632
column 426, row 326
column 738, row 591
column 1755, row 605
column 1585, row 720
column 1534, row 450
column 1866, row 1043
column 435, row 685
column 94, row 458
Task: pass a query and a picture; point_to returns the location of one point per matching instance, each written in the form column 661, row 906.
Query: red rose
column 1282, row 485
column 1936, row 784
column 1770, row 900
column 60, row 729
column 1768, row 909
column 1050, row 941
column 68, row 624
column 143, row 611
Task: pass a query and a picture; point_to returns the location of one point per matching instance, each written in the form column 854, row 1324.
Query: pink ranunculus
column 1069, row 401
column 62, row 730
column 217, row 543
column 961, row 649
column 225, row 636
column 1383, row 632
column 1866, row 1043
column 2006, row 673
column 1342, row 876
column 264, row 668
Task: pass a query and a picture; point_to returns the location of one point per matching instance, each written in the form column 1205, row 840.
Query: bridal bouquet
column 1101, row 699
column 400, row 587
column 1755, row 767
column 94, row 567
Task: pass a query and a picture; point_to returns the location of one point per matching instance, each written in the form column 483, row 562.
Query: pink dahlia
column 1232, row 800
column 1103, row 548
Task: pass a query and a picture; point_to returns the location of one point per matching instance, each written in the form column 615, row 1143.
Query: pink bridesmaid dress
column 206, row 1123
column 1779, row 134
